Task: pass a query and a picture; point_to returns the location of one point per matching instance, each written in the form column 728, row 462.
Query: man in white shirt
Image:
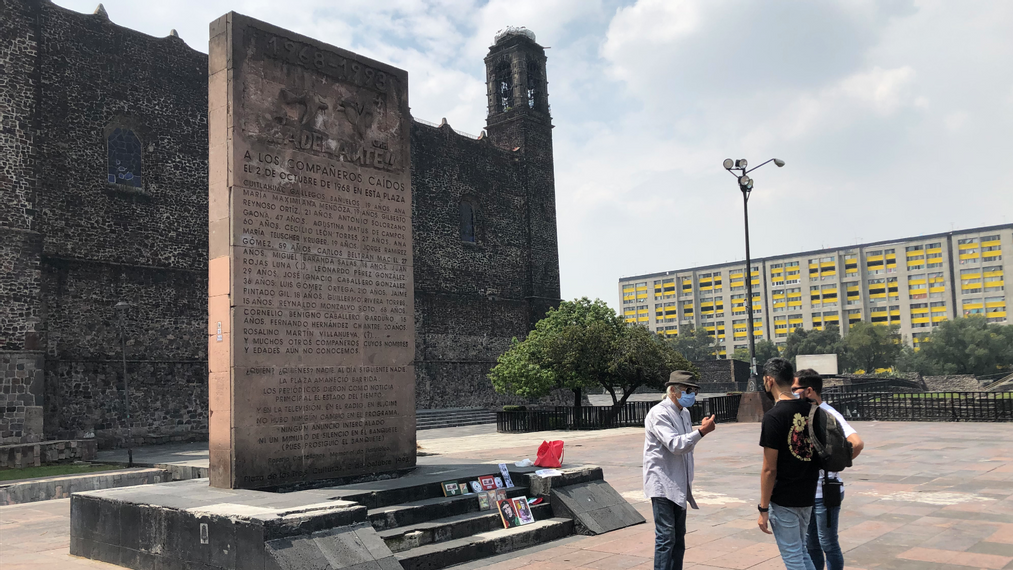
column 669, row 440
column 822, row 536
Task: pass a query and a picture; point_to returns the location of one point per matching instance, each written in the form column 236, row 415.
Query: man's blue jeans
column 789, row 525
column 669, row 534
column 822, row 537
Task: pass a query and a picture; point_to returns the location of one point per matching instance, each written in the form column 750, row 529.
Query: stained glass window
column 124, row 158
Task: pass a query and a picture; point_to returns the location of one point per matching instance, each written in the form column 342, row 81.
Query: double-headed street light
column 746, row 186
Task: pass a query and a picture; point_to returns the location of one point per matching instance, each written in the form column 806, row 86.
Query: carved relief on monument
column 345, row 111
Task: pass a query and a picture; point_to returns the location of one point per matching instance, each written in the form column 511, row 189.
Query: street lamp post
column 121, row 310
column 746, row 187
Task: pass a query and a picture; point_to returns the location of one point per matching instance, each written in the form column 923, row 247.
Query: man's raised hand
column 707, row 425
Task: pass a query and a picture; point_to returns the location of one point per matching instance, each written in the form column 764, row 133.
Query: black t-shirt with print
column 786, row 428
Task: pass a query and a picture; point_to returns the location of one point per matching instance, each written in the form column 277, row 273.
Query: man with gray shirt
column 669, row 440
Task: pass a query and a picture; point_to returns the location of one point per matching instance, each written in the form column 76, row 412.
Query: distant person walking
column 790, row 467
column 669, row 440
column 822, row 536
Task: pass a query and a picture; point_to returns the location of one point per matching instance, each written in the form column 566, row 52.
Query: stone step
column 442, row 411
column 424, row 510
column 450, row 424
column 453, row 417
column 484, row 544
column 460, row 415
column 404, row 538
column 461, row 418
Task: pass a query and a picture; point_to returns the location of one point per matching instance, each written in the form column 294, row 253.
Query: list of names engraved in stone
column 323, row 261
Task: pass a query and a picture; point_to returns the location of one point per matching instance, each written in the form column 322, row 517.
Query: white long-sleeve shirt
column 669, row 439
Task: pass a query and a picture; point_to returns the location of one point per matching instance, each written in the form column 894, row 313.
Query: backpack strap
column 820, row 448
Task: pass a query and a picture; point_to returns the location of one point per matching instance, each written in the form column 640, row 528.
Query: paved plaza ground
column 923, row 496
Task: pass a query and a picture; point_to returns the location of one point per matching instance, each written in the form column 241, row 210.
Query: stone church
column 103, row 199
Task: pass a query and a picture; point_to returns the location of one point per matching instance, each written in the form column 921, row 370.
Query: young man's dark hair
column 809, row 378
column 781, row 371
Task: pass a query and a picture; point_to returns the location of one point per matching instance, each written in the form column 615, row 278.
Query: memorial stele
column 310, row 298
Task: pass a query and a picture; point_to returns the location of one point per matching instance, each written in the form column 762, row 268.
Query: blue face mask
column 687, row 400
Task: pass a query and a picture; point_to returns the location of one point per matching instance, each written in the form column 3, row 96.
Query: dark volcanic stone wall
column 21, row 365
column 72, row 244
column 105, row 242
column 470, row 298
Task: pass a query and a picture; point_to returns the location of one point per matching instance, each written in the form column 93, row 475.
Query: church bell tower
column 517, row 91
column 519, row 122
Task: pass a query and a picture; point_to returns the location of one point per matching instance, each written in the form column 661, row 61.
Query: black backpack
column 828, row 439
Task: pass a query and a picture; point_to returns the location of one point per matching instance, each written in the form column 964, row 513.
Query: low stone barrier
column 32, row 490
column 21, row 455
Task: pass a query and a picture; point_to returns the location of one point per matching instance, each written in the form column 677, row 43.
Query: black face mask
column 770, row 395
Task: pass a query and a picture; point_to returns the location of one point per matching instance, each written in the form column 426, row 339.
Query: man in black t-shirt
column 790, row 467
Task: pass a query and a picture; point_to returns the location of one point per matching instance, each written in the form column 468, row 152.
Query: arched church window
column 534, row 80
column 124, row 158
column 504, row 87
column 467, row 213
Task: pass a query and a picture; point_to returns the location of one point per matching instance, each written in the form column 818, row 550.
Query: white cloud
column 885, row 89
column 874, row 104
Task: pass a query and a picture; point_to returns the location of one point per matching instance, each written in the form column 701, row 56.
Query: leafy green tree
column 911, row 360
column 643, row 359
column 571, row 348
column 801, row 341
column 869, row 347
column 583, row 344
column 968, row 345
column 765, row 350
column 695, row 345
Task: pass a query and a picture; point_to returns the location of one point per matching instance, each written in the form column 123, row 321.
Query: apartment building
column 915, row 282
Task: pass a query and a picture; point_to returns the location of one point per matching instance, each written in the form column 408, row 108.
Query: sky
column 894, row 117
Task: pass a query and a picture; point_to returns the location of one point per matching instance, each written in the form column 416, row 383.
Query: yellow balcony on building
column 919, row 320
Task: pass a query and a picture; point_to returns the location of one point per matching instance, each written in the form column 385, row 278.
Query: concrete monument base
column 403, row 522
column 752, row 406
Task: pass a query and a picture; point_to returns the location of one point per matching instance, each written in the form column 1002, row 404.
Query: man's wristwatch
column 761, row 509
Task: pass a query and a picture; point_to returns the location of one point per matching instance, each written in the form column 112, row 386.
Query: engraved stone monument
column 310, row 296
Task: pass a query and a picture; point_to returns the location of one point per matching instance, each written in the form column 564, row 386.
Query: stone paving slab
column 923, row 496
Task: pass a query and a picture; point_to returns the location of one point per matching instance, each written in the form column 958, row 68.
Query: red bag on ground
column 550, row 454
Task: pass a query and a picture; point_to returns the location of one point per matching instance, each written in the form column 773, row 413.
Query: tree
column 869, row 347
column 571, row 348
column 643, row 359
column 801, row 341
column 584, row 344
column 764, row 349
column 968, row 345
column 696, row 345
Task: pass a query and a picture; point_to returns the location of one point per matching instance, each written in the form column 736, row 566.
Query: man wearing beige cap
column 669, row 440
